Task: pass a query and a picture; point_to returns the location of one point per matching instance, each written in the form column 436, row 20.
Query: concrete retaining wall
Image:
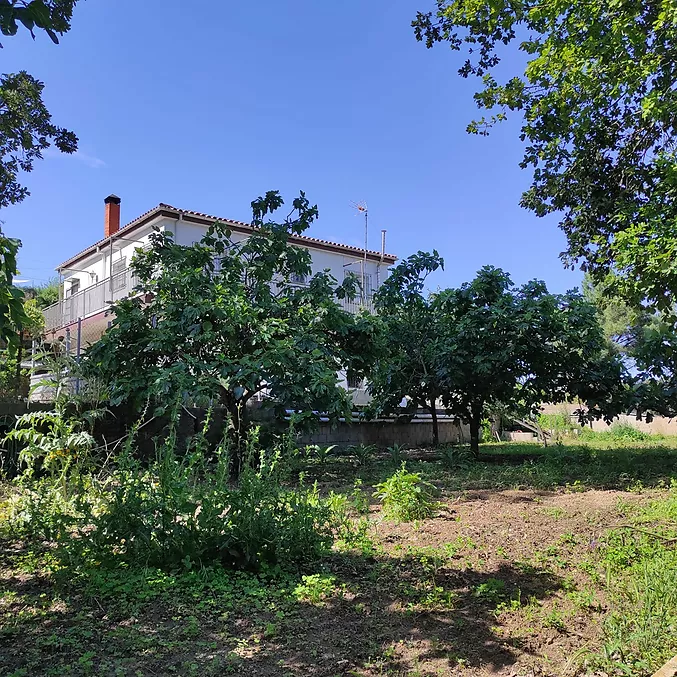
column 386, row 433
column 659, row 425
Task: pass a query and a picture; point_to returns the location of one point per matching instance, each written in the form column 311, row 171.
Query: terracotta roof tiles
column 164, row 209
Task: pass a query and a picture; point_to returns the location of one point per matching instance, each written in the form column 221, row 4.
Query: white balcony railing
column 90, row 301
column 354, row 306
column 99, row 296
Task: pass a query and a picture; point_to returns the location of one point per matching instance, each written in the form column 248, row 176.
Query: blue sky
column 206, row 105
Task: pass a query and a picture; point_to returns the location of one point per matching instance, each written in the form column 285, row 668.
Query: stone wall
column 386, row 433
column 658, row 426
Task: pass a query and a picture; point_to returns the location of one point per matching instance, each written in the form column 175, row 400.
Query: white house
column 100, row 274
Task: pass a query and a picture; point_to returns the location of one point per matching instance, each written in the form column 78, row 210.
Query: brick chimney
column 111, row 222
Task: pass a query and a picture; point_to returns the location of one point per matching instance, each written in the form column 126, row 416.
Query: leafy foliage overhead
column 52, row 16
column 225, row 319
column 599, row 108
column 26, row 130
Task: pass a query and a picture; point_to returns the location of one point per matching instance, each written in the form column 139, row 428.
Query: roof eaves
column 164, row 207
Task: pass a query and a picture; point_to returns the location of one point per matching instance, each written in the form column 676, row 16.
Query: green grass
column 640, row 562
column 574, row 467
column 598, row 463
column 61, row 618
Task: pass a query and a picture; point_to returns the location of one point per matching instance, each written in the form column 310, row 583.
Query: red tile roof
column 164, row 209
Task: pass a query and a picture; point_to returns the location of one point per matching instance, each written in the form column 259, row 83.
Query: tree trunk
column 238, row 434
column 475, row 426
column 436, row 431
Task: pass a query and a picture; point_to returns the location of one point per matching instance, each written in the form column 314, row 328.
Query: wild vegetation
column 226, row 320
column 489, row 344
column 556, row 561
column 232, row 548
column 249, row 554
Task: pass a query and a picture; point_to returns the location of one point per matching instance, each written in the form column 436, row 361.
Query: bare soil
column 498, row 583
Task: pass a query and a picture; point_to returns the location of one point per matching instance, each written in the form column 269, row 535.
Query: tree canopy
column 410, row 340
column 490, row 343
column 26, row 130
column 12, row 314
column 599, row 111
column 52, row 16
column 26, row 127
column 226, row 318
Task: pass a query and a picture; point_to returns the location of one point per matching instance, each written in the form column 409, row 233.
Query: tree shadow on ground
column 406, row 620
column 559, row 466
column 382, row 615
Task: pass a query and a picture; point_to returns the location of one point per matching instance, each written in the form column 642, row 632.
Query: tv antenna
column 361, row 208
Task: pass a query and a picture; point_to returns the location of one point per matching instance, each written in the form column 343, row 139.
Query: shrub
column 320, row 452
column 454, row 458
column 558, row 425
column 179, row 512
column 395, row 453
column 405, row 496
column 617, row 432
column 486, row 432
column 625, row 431
column 363, row 453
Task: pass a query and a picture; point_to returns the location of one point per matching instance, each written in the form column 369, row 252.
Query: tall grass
column 640, row 560
column 178, row 511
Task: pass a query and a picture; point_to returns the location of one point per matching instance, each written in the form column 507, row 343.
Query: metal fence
column 99, row 296
column 91, row 300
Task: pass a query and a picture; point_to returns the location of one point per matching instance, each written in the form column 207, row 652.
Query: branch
column 652, row 534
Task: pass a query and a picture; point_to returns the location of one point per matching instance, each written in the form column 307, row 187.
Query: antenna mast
column 362, row 208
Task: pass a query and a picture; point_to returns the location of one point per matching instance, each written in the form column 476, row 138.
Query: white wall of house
column 95, row 269
column 97, row 266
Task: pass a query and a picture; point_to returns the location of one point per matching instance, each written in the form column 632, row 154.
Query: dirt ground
column 498, row 583
column 540, row 621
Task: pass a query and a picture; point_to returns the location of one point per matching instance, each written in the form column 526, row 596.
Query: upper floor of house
column 100, row 274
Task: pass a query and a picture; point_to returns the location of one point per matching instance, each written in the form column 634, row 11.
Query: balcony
column 354, row 306
column 97, row 297
column 90, row 301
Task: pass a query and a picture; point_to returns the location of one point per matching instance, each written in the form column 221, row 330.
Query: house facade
column 100, row 274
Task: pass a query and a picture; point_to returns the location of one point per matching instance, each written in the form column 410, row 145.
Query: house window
column 119, row 274
column 354, row 381
column 297, row 278
column 75, row 287
column 367, row 292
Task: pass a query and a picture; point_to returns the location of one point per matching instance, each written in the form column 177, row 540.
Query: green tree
column 488, row 345
column 52, row 16
column 225, row 319
column 410, row 343
column 624, row 324
column 519, row 347
column 12, row 313
column 26, row 130
column 598, row 103
column 26, row 127
column 44, row 294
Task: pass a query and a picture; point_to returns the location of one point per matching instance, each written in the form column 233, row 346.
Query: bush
column 558, row 425
column 625, row 431
column 405, row 496
column 618, row 432
column 486, row 432
column 363, row 453
column 454, row 458
column 179, row 512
